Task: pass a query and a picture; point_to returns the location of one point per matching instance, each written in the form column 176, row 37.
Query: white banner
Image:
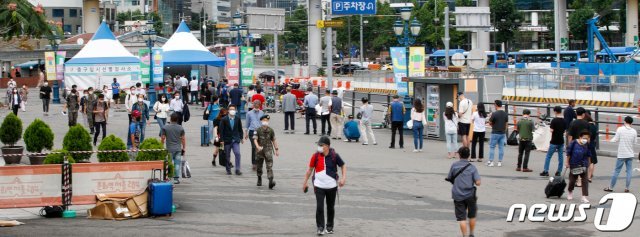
column 98, row 75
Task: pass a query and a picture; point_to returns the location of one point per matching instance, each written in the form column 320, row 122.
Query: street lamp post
column 242, row 31
column 406, row 31
column 150, row 37
column 55, row 42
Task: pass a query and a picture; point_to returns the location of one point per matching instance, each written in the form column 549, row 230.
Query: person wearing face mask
column 161, row 107
column 628, row 137
column 525, row 130
column 100, row 115
column 265, row 142
column 15, row 100
column 72, row 105
column 83, row 107
column 231, row 137
column 24, row 94
column 45, row 96
column 144, row 120
column 577, row 162
column 130, row 100
column 88, row 111
column 253, row 123
column 176, row 105
column 324, row 167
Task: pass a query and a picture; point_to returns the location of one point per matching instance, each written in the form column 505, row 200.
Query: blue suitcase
column 160, row 196
column 205, row 137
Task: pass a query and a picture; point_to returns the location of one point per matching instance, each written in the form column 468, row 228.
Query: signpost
column 353, row 7
column 330, row 24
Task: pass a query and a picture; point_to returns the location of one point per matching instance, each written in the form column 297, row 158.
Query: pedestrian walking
column 144, row 119
column 325, row 113
column 231, row 135
column 465, row 179
column 212, row 111
column 259, row 96
column 107, row 94
column 235, row 95
column 100, row 117
column 88, row 109
column 419, row 120
column 193, row 88
column 72, row 105
column 578, row 155
column 176, row 105
column 289, row 105
column 264, row 140
column 558, row 128
column 525, row 130
column 569, row 115
column 130, row 100
column 173, row 136
column 45, row 96
column 218, row 149
column 310, row 102
column 223, row 94
column 499, row 122
column 24, row 95
column 594, row 136
column 465, row 112
column 161, row 108
column 396, row 113
column 337, row 115
column 250, row 93
column 115, row 91
column 366, row 111
column 627, row 137
column 140, row 90
column 134, row 131
column 253, row 123
column 324, row 165
column 479, row 119
column 184, row 89
column 451, row 129
column 15, row 100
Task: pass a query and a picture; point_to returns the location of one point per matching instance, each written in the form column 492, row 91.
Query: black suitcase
column 556, row 186
column 222, row 158
column 205, row 137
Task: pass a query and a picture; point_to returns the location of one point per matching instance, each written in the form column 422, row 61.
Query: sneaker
column 238, row 172
column 490, row 164
column 228, row 172
column 375, row 143
column 176, row 181
column 420, row 150
column 527, row 170
column 544, row 173
column 346, row 140
column 518, row 169
column 584, row 199
column 365, row 144
column 499, row 164
column 570, row 196
column 320, row 231
column 472, row 160
column 557, row 173
column 392, row 147
column 329, row 230
column 415, row 151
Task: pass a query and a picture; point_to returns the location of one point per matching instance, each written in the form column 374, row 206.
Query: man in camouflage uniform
column 265, row 141
column 91, row 98
column 72, row 105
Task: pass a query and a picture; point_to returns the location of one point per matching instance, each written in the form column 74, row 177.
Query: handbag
column 205, row 115
column 513, row 138
column 51, row 211
column 577, row 170
column 410, row 124
column 186, row 169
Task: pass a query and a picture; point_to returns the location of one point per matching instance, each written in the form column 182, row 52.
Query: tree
column 297, row 27
column 505, row 9
column 19, row 18
column 379, row 31
column 577, row 22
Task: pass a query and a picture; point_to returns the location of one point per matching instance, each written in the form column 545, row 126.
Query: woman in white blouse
column 419, row 120
column 479, row 119
column 161, row 107
column 451, row 129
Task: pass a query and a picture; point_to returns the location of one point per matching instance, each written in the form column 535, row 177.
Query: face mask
column 46, row 84
column 164, row 99
column 320, row 149
column 86, row 94
column 177, row 97
column 583, row 140
column 232, row 112
column 128, row 92
column 140, row 100
column 265, row 123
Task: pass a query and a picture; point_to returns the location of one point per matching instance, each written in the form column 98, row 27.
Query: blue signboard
column 353, row 7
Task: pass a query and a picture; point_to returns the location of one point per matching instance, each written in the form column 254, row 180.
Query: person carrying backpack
column 324, row 167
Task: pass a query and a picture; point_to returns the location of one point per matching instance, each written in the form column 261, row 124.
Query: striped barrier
column 597, row 103
column 375, row 90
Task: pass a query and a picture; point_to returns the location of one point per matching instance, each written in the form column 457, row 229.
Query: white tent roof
column 103, row 48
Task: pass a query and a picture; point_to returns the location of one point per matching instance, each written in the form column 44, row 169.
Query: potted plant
column 58, row 158
column 10, row 133
column 112, row 143
column 78, row 139
column 152, row 143
column 37, row 137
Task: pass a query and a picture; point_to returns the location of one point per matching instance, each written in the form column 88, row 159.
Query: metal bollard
column 607, row 131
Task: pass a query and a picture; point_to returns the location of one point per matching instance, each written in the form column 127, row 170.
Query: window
column 57, row 13
column 66, row 28
column 135, row 2
column 73, row 12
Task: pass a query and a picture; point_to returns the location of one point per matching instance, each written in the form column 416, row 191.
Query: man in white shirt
column 465, row 112
column 176, row 105
column 184, row 89
column 325, row 105
column 140, row 90
column 130, row 99
column 627, row 136
column 193, row 87
column 365, row 121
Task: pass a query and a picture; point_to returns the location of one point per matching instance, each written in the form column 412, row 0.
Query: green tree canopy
column 19, row 18
column 506, row 19
column 297, row 27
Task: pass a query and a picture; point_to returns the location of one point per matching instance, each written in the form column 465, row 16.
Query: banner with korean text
column 145, row 62
column 98, row 75
column 416, row 61
column 232, row 70
column 60, row 55
column 50, row 65
column 399, row 58
column 246, row 73
column 158, row 66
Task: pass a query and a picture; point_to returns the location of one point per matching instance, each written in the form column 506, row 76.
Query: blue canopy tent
column 184, row 49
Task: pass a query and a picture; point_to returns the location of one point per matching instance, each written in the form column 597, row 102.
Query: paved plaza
column 387, row 193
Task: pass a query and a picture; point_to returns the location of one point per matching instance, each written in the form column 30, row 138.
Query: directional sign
column 353, row 7
column 330, row 24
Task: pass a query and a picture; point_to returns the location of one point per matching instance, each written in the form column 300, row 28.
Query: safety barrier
column 598, row 103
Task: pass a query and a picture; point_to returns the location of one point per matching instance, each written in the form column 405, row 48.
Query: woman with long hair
column 593, row 132
column 217, row 147
column 479, row 119
column 451, row 129
column 161, row 107
column 419, row 119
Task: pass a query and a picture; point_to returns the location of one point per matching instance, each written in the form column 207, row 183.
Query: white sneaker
column 570, row 196
column 420, row 150
column 415, row 151
column 499, row 164
column 584, row 199
column 346, row 140
column 365, row 143
column 490, row 163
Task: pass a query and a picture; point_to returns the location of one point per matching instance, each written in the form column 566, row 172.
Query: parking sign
column 353, row 7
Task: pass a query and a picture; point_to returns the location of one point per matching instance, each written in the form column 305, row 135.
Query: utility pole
column 349, row 41
column 328, row 51
column 361, row 44
column 446, row 36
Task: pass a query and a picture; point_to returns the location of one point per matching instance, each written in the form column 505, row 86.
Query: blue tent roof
column 184, row 49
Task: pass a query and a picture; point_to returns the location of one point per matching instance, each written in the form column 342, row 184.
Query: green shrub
column 78, row 139
column 38, row 136
column 151, row 143
column 321, row 72
column 111, row 143
column 58, row 158
column 11, row 130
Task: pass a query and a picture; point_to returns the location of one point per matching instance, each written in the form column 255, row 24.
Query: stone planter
column 37, row 159
column 10, row 160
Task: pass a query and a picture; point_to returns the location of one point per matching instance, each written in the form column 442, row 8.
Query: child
column 351, row 130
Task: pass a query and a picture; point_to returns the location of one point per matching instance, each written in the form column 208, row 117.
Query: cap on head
column 266, row 116
column 449, row 104
column 324, row 140
column 460, row 93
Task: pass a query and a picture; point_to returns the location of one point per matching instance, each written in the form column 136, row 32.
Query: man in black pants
column 325, row 114
column 396, row 112
column 310, row 102
column 324, row 165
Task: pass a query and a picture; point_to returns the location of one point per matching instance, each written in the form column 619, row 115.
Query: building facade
column 68, row 12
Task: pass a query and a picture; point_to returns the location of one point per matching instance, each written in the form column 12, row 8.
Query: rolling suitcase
column 556, row 186
column 160, row 195
column 205, row 137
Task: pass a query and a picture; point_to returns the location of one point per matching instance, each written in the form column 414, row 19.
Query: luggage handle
column 153, row 173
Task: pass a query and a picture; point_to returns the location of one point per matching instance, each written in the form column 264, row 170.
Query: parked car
column 348, row 69
column 270, row 75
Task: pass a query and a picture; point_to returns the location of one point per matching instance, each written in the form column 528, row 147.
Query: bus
column 546, row 59
column 494, row 59
column 619, row 52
